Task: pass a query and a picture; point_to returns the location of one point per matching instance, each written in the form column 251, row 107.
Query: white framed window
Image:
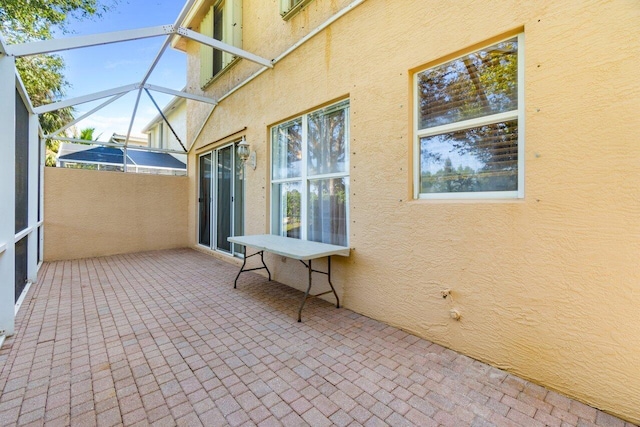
column 469, row 125
column 288, row 8
column 310, row 176
column 222, row 22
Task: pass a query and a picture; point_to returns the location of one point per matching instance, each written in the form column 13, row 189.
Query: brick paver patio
column 162, row 338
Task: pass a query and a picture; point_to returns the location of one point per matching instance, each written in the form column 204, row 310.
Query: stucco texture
column 548, row 286
column 94, row 213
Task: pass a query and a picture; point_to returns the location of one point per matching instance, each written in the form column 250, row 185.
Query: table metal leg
column 244, row 263
column 265, row 265
column 306, row 294
column 331, row 284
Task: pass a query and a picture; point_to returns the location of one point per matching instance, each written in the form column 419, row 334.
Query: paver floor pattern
column 162, row 338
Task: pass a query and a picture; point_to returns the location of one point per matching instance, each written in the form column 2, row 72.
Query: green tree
column 24, row 21
column 86, row 134
column 51, row 153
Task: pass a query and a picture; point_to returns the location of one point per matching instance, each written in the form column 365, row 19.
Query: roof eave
column 195, row 14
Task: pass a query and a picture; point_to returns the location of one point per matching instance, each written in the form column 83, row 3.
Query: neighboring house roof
column 114, row 155
column 94, row 155
column 158, row 160
column 135, row 140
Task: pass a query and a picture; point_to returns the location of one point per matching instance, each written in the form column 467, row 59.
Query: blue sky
column 103, row 67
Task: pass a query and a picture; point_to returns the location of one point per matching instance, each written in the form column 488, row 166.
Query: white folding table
column 302, row 250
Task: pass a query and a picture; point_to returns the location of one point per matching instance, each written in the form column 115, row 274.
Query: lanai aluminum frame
column 12, row 92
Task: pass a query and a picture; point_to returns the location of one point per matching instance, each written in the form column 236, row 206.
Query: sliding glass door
column 221, row 199
column 224, row 189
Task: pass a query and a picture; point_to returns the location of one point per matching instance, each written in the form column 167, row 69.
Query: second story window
column 223, row 22
column 288, row 8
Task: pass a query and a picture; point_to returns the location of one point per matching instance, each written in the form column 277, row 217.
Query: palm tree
column 86, row 134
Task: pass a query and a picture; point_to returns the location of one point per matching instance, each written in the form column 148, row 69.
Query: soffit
column 194, row 15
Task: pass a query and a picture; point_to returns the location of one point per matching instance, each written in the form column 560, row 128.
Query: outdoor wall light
column 243, row 150
column 245, row 154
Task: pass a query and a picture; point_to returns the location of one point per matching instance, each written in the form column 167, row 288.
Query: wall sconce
column 245, row 154
column 243, row 150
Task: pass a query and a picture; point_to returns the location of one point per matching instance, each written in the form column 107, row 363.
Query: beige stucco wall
column 548, row 286
column 94, row 213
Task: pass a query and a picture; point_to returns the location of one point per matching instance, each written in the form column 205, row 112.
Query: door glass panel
column 223, row 209
column 204, row 201
column 221, row 181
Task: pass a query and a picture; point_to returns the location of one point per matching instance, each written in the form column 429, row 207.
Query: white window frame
column 287, row 11
column 304, row 177
column 467, row 124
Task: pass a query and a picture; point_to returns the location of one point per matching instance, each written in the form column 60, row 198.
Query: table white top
column 291, row 248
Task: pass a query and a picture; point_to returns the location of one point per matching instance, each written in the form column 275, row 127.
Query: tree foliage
column 26, row 21
column 86, row 134
column 43, row 75
column 43, row 78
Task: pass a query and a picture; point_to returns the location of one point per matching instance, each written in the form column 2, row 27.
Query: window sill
column 294, row 10
column 468, row 201
column 215, row 78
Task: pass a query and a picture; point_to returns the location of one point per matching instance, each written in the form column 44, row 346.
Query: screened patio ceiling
column 170, row 33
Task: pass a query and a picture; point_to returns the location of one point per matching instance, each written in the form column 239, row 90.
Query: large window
column 223, row 22
column 310, row 176
column 469, row 125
